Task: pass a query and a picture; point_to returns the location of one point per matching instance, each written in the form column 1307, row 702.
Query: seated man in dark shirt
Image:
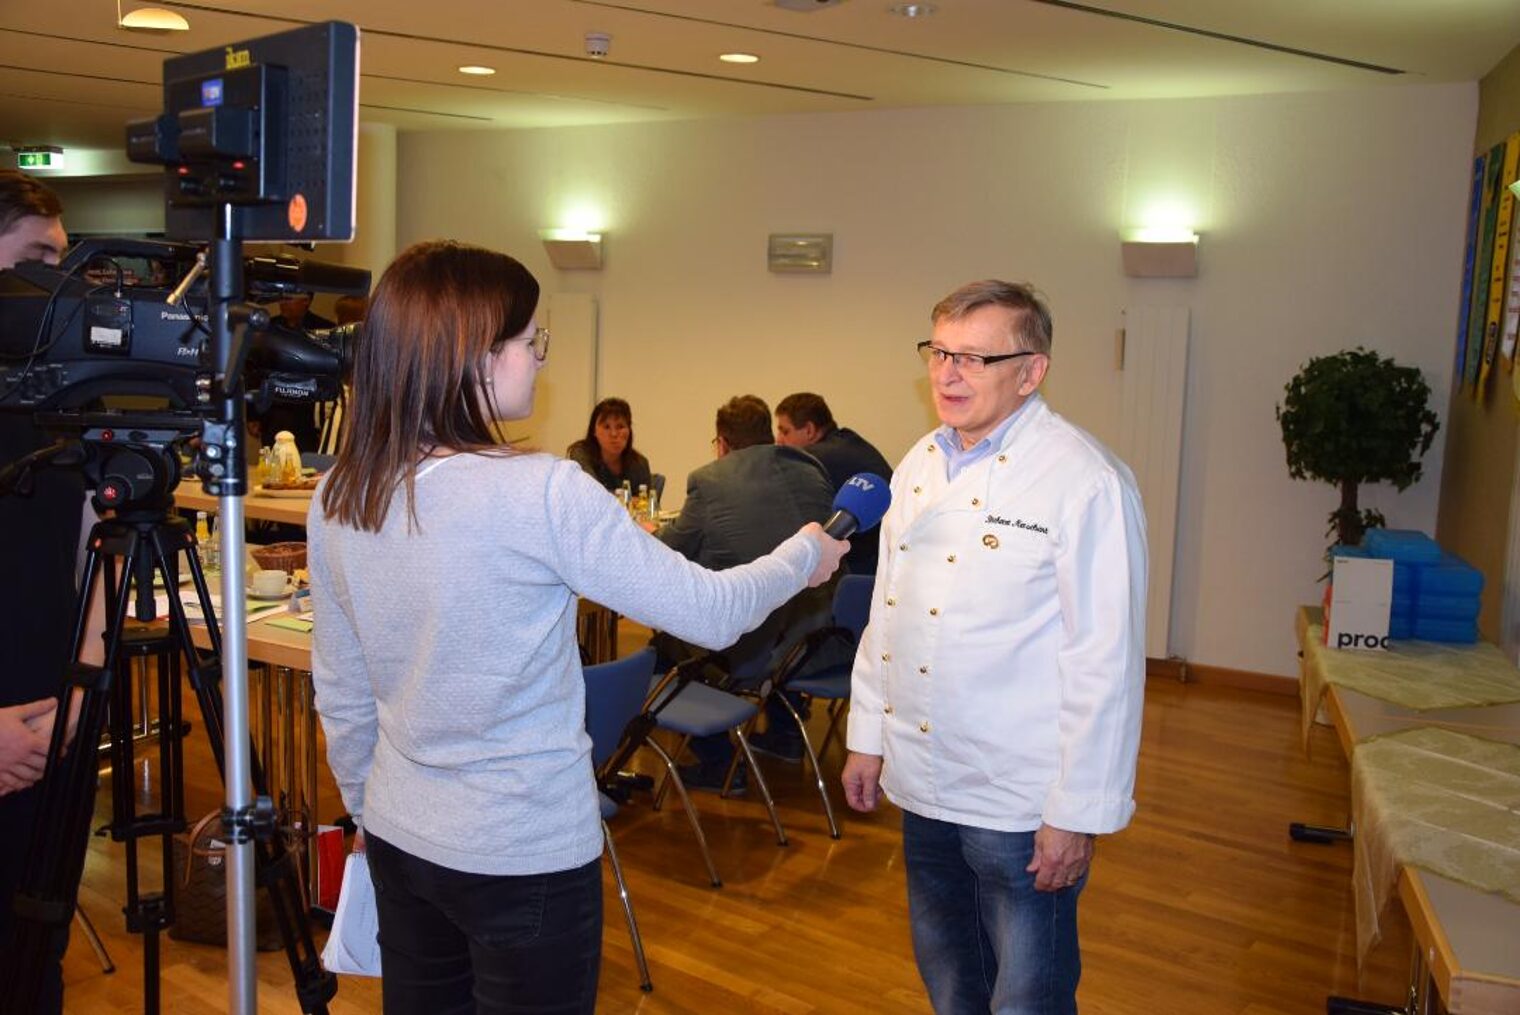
column 804, row 421
column 737, row 509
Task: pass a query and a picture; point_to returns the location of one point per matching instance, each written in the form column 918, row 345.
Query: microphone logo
column 861, row 481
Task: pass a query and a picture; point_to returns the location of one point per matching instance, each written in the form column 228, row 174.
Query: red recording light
column 240, row 164
column 108, row 435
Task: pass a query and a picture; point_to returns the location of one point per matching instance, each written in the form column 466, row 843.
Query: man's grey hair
column 1034, row 327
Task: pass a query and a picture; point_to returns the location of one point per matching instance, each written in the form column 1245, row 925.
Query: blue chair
column 614, row 699
column 691, row 709
column 831, row 683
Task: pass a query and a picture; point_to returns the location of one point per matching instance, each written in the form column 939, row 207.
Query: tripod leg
column 50, row 881
column 92, row 937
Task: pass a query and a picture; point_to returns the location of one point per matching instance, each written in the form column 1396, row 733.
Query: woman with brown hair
column 444, row 567
column 606, row 452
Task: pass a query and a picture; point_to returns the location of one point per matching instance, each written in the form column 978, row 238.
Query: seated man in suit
column 803, row 420
column 739, row 508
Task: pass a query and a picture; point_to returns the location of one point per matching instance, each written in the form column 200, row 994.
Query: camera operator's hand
column 43, row 724
column 23, row 749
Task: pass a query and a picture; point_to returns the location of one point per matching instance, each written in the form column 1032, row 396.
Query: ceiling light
column 478, row 69
column 913, row 10
column 738, row 58
column 151, row 19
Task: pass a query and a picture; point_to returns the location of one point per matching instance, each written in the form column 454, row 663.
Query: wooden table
column 1469, row 939
column 290, row 509
column 283, row 719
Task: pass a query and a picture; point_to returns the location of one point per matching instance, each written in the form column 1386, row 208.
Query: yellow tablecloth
column 1436, row 799
column 1414, row 674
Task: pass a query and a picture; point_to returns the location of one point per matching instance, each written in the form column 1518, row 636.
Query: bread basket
column 285, row 557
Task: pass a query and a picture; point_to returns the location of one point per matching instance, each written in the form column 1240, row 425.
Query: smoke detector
column 806, row 5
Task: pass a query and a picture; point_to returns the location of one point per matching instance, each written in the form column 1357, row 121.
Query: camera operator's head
column 31, row 221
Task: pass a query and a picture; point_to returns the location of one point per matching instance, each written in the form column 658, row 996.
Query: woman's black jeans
column 461, row 943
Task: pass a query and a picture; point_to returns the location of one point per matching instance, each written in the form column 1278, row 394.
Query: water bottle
column 203, row 538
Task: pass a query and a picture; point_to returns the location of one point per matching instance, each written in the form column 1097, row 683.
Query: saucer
column 284, row 593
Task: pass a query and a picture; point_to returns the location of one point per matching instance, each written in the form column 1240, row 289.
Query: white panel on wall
column 1509, row 625
column 566, row 388
column 1153, row 391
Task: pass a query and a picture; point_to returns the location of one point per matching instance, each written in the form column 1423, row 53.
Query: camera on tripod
column 134, row 351
column 80, row 332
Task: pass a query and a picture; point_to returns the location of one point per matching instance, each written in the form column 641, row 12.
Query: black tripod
column 146, row 542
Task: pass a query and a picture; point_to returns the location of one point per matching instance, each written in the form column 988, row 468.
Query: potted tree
column 1353, row 418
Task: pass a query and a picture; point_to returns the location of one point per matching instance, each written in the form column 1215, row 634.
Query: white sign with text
column 1361, row 593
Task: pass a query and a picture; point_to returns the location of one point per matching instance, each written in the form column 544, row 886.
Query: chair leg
column 691, row 812
column 807, row 747
column 765, row 791
column 659, row 791
column 645, row 983
column 837, row 709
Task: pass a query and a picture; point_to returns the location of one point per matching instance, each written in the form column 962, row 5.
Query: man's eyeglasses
column 965, row 362
column 540, row 342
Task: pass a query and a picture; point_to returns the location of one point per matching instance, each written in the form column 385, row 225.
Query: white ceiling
column 69, row 76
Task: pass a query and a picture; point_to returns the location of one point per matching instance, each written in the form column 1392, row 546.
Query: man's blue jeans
column 985, row 940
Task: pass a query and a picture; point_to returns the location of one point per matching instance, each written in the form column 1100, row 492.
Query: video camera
column 92, row 329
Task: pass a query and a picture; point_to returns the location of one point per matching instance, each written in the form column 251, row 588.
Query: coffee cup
column 268, row 583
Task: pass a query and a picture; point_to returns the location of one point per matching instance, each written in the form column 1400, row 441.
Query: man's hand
column 862, row 781
column 1060, row 858
column 42, row 724
column 23, row 750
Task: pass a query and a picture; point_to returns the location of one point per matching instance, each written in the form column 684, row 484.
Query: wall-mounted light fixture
column 1515, row 188
column 574, row 249
column 1159, row 253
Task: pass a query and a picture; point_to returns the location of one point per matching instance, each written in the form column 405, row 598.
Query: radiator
column 1153, row 359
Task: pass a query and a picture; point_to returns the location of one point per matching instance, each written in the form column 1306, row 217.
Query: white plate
column 286, row 594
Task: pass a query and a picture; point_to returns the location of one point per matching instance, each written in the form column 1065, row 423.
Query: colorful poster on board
column 1477, row 311
column 1511, row 328
column 1493, row 319
column 1469, row 257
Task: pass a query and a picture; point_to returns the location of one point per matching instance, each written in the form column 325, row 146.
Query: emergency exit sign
column 46, row 159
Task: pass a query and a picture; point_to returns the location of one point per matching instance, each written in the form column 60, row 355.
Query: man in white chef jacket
column 998, row 687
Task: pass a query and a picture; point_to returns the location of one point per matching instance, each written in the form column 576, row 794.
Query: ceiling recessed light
column 913, row 10
column 739, row 58
column 151, row 19
column 478, row 69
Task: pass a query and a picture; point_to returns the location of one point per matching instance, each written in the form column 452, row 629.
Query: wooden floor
column 1202, row 906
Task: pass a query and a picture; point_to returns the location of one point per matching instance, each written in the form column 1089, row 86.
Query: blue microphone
column 858, row 505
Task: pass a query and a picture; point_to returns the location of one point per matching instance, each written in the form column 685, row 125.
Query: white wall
column 1328, row 221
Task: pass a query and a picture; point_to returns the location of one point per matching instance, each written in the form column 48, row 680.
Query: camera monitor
column 268, row 125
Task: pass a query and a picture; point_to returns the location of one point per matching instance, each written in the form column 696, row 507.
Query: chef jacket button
column 891, row 601
column 1002, row 458
column 918, row 489
column 976, row 502
column 887, row 709
column 886, row 657
column 923, row 727
column 934, row 611
column 923, row 669
column 902, row 546
column 951, row 558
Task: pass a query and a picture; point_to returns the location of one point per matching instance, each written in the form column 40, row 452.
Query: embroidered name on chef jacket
column 1018, row 523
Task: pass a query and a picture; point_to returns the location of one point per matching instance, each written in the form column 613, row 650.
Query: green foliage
column 1352, row 418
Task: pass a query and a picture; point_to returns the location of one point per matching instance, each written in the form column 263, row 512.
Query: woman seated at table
column 444, row 568
column 606, row 452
